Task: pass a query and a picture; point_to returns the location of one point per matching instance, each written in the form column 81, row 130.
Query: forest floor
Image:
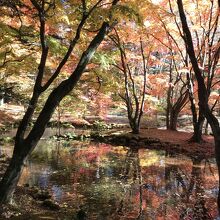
column 181, row 140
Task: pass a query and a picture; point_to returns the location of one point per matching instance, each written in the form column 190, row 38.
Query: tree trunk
column 198, row 127
column 135, row 130
column 11, row 177
column 206, row 132
column 173, row 120
column 176, row 109
column 135, row 127
column 197, row 121
column 217, row 156
column 169, row 107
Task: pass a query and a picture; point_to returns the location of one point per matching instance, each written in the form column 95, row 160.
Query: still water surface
column 118, row 183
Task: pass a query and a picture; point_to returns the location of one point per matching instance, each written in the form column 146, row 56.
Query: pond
column 120, row 183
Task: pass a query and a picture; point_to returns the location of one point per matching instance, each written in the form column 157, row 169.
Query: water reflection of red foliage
column 147, row 183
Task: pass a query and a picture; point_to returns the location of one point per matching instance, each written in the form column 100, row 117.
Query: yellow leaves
column 65, row 19
column 130, row 12
column 149, row 158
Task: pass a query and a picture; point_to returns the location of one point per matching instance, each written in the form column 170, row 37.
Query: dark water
column 115, row 183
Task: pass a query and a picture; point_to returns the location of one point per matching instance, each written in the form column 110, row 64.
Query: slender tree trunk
column 176, row 109
column 59, row 120
column 206, row 128
column 168, row 110
column 197, row 122
column 169, row 96
column 198, row 127
column 136, row 129
column 173, row 120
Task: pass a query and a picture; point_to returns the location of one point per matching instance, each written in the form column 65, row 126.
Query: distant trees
column 203, row 20
column 169, row 64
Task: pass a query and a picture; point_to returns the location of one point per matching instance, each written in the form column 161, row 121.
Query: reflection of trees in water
column 192, row 197
column 132, row 174
column 167, row 186
column 199, row 210
column 180, row 190
column 55, row 155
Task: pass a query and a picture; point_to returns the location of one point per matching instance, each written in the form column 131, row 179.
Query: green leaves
column 130, row 12
column 55, row 46
column 104, row 59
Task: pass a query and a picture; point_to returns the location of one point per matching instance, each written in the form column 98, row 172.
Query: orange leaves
column 157, row 84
